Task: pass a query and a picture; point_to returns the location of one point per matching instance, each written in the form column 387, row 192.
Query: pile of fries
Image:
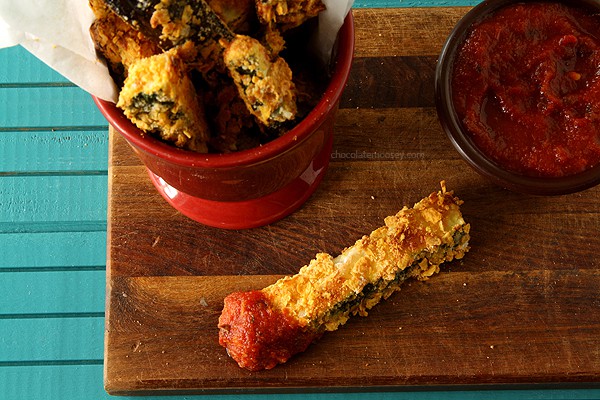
column 208, row 75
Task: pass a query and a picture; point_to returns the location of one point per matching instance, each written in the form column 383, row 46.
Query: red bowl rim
column 255, row 155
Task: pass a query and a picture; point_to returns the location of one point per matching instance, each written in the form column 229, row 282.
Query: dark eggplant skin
column 136, row 13
column 204, row 26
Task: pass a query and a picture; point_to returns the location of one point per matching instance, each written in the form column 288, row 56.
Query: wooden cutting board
column 523, row 307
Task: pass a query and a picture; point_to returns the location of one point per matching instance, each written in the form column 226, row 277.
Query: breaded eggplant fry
column 287, row 14
column 262, row 328
column 158, row 97
column 265, row 86
column 118, row 43
column 172, row 22
column 183, row 20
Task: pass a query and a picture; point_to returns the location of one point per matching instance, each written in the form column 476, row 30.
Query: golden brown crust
column 174, row 30
column 99, row 8
column 265, row 85
column 424, row 234
column 287, row 14
column 273, row 41
column 158, row 96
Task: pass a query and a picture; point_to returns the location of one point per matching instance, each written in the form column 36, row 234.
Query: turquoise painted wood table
column 53, row 222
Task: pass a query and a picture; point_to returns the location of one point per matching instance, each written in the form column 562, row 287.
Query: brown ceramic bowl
column 462, row 140
column 252, row 187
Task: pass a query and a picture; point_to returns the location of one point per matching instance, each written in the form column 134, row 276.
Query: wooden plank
column 43, row 201
column 408, row 32
column 521, row 308
column 52, row 150
column 47, row 107
column 50, row 340
column 71, row 381
column 408, row 83
column 52, row 293
column 445, row 328
column 336, row 216
column 53, row 250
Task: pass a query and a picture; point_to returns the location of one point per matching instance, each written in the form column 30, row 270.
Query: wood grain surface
column 522, row 307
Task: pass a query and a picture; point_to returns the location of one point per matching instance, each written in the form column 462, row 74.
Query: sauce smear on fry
column 257, row 336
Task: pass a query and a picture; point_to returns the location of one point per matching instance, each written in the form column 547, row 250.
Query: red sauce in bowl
column 526, row 87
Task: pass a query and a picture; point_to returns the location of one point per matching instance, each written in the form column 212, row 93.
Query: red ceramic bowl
column 253, row 187
column 461, row 139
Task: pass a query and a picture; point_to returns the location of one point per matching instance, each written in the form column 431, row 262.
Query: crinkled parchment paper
column 57, row 32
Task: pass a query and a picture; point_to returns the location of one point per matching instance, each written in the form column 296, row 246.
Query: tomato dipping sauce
column 526, row 87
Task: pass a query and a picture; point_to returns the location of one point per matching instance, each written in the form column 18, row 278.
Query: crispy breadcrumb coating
column 287, row 14
column 158, row 96
column 264, row 84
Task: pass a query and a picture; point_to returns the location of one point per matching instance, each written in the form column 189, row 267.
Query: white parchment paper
column 330, row 22
column 57, row 32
